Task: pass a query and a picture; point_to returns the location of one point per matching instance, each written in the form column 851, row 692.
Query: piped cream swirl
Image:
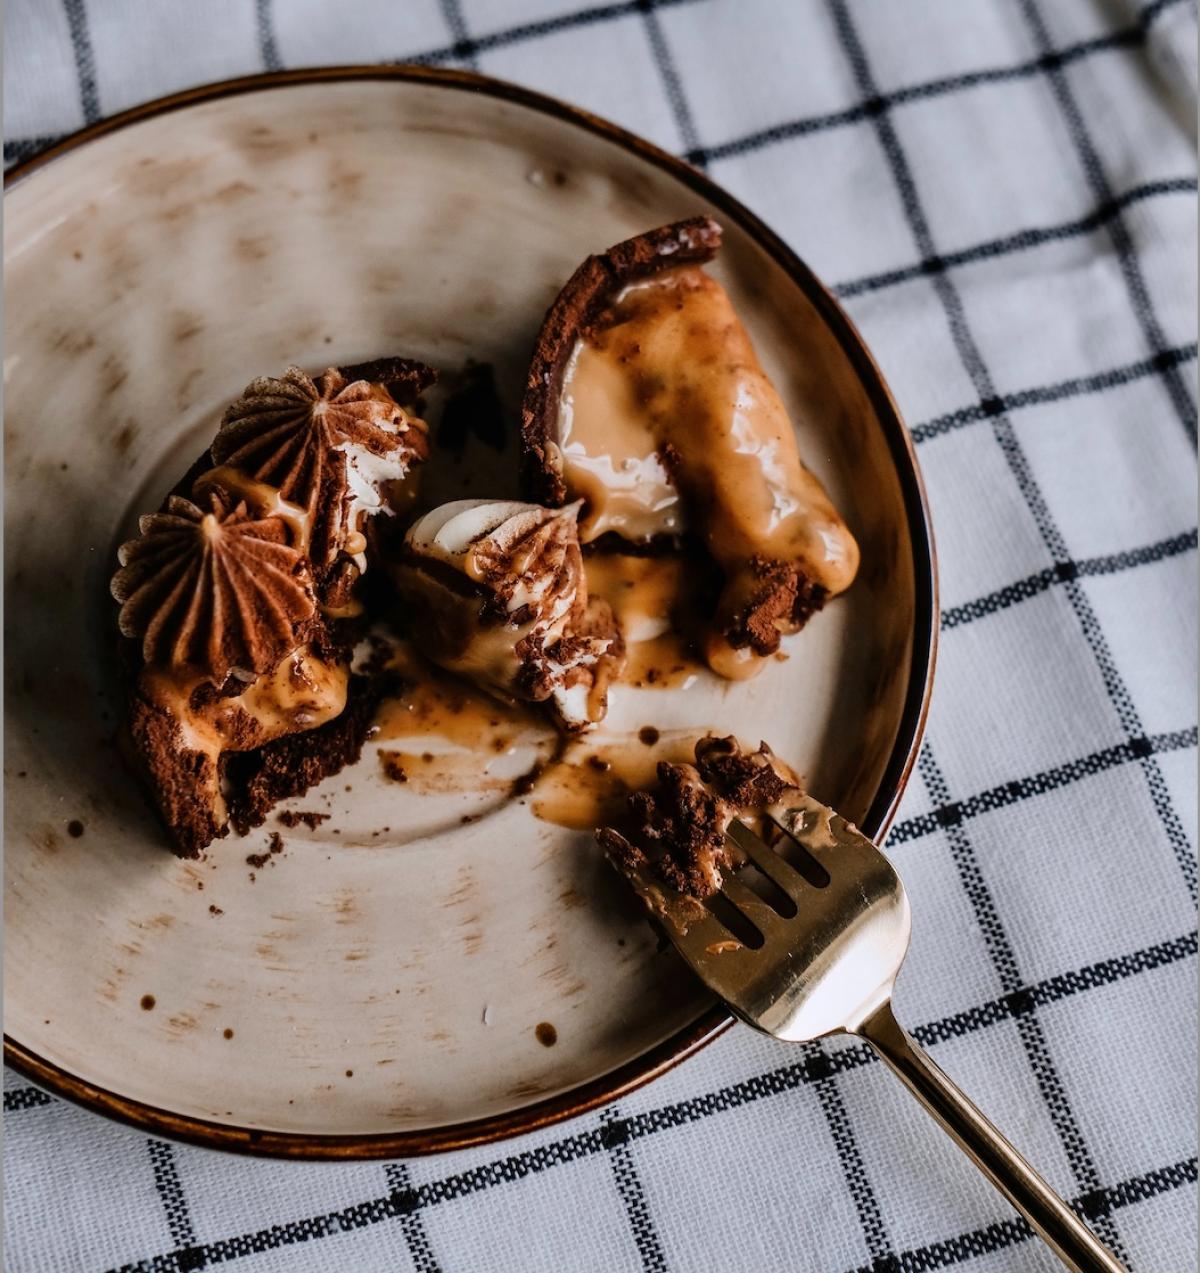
column 505, row 604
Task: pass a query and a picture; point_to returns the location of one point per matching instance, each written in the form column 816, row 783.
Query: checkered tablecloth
column 1004, row 193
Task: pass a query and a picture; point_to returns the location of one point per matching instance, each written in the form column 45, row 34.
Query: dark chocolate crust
column 180, row 781
column 289, row 766
column 588, row 291
column 404, row 378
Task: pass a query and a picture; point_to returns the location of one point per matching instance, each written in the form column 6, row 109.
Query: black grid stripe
column 1021, row 241
column 25, row 1098
column 1007, row 1233
column 1118, row 230
column 941, row 86
column 408, row 1208
column 572, row 1148
column 1042, row 580
column 264, row 25
column 1029, row 1028
column 822, row 1074
column 1019, row 789
column 993, row 405
column 85, row 62
column 1033, row 1040
column 668, row 73
column 465, row 49
column 170, row 1192
column 27, row 147
column 593, row 15
column 1152, row 12
column 1018, row 463
column 614, row 1135
column 995, row 1237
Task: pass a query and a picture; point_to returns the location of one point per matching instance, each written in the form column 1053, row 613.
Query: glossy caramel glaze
column 668, row 423
column 668, row 398
column 659, row 603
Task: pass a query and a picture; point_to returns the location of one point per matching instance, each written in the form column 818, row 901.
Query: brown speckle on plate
column 147, row 1003
column 546, row 1034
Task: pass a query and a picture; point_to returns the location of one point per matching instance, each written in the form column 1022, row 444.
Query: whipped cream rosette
column 503, row 601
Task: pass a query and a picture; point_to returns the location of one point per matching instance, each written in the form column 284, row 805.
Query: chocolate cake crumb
column 296, row 818
column 274, row 846
column 147, row 1003
column 676, row 831
column 648, row 735
column 783, row 599
column 215, row 910
column 75, row 828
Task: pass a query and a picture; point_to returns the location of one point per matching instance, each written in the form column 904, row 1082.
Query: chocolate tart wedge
column 646, row 399
column 240, row 599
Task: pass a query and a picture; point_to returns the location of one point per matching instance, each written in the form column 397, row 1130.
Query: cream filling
column 462, row 534
column 610, row 459
column 486, row 654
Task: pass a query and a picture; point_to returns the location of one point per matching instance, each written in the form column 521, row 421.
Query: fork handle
column 1062, row 1230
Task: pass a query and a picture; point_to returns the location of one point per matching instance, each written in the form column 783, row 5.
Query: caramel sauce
column 591, row 784
column 262, row 500
column 674, row 372
column 467, row 734
column 669, row 661
column 301, row 692
column 655, row 601
column 436, row 704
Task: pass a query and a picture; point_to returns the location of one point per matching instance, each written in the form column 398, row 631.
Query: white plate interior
column 372, row 983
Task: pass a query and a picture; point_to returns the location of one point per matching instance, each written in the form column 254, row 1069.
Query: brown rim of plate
column 716, row 1020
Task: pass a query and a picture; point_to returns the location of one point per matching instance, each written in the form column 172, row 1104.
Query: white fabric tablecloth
column 1004, row 192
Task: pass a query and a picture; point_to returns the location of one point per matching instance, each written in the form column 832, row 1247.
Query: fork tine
column 705, row 939
column 759, row 913
column 767, row 860
column 697, row 939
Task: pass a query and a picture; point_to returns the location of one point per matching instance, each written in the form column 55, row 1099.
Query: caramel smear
column 590, row 785
column 656, row 601
column 453, row 736
column 673, row 376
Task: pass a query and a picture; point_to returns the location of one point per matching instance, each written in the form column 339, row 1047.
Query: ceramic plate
column 387, row 984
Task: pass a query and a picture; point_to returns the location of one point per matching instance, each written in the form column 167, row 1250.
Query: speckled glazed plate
column 388, row 985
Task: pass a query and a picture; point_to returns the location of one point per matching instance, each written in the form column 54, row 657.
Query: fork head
column 813, row 949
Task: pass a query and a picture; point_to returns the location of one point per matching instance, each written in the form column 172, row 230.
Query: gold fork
column 814, row 950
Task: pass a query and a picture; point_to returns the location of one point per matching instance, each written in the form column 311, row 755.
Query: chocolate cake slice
column 675, row 832
column 502, row 600
column 646, row 400
column 240, row 599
